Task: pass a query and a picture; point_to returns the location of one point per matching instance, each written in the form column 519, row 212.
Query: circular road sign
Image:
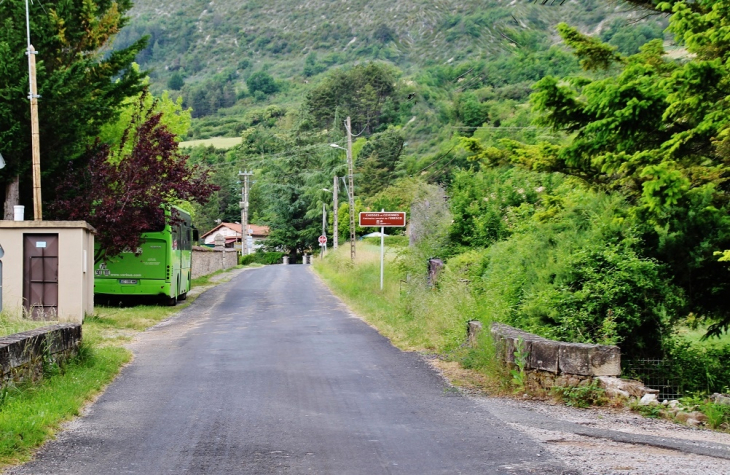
column 323, row 239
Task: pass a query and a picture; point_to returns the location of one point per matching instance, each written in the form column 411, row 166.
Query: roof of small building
column 256, row 230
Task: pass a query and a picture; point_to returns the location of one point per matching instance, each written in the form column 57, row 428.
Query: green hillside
column 208, row 50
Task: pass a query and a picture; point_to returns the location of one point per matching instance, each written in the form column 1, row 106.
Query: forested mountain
column 209, row 50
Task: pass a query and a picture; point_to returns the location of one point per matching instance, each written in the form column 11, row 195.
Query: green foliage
column 698, row 367
column 366, row 93
column 718, row 415
column 261, row 81
column 629, row 37
column 261, row 257
column 208, row 97
column 655, row 132
column 390, row 241
column 560, row 261
column 176, row 82
column 174, row 117
column 585, row 395
column 80, row 88
column 518, row 373
column 378, row 160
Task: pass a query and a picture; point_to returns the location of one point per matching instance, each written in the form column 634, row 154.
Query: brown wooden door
column 40, row 276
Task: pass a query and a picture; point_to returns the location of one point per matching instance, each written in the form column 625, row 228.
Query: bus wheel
column 183, row 296
column 171, row 301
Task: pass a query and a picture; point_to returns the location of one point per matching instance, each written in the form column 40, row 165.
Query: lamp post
column 351, row 189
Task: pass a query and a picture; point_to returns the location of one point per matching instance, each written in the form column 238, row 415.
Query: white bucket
column 19, row 212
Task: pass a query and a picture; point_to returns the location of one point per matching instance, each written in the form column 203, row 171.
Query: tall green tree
column 658, row 132
column 366, row 93
column 81, row 83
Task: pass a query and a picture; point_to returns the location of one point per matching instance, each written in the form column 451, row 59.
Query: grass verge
column 10, row 324
column 415, row 316
column 30, row 414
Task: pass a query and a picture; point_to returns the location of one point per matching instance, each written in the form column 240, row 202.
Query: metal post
column 334, row 217
column 324, row 229
column 351, row 191
column 382, row 253
column 244, row 212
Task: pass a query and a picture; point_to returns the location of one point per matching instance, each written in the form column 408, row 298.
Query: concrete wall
column 75, row 265
column 22, row 355
column 207, row 260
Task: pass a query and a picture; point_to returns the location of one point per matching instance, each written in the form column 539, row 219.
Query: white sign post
column 390, row 219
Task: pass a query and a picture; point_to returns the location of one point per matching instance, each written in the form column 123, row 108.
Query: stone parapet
column 22, row 355
column 556, row 357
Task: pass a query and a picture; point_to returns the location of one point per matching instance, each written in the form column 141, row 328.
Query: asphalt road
column 270, row 373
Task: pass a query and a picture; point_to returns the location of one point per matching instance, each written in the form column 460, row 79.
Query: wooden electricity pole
column 351, row 191
column 35, row 140
column 244, row 212
column 35, row 137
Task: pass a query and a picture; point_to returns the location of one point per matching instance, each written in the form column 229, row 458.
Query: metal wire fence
column 655, row 374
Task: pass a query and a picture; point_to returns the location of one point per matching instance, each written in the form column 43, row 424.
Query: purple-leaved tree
column 123, row 192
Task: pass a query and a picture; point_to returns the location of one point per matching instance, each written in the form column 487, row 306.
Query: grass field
column 222, row 143
column 695, row 336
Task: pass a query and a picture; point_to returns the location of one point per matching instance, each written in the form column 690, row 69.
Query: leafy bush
column 260, row 257
column 698, row 368
column 390, row 241
column 582, row 396
column 565, row 265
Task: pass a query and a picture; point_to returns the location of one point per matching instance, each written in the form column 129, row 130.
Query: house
column 231, row 232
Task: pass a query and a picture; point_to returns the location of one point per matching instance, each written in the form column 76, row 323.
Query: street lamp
column 351, row 188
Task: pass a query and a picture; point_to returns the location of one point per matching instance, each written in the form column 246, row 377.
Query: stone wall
column 22, row 355
column 206, row 260
column 556, row 357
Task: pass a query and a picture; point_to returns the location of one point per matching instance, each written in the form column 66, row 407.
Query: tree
column 80, row 82
column 176, row 82
column 363, row 93
column 378, row 160
column 122, row 193
column 174, row 116
column 658, row 132
column 261, row 81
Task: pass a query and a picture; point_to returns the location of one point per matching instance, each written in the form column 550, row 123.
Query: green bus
column 161, row 266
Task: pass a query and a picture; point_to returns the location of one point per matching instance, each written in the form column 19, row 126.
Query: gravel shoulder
column 614, row 441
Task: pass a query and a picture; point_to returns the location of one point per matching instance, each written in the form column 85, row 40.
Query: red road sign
column 384, row 219
column 323, row 239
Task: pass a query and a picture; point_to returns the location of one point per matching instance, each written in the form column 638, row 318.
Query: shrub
column 390, row 241
column 582, row 396
column 260, row 257
column 699, row 368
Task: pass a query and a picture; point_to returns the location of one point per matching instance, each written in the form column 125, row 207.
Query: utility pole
column 351, row 191
column 244, row 212
column 35, row 134
column 334, row 215
column 324, row 229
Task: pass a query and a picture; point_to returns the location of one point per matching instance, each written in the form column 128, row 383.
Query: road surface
column 269, row 373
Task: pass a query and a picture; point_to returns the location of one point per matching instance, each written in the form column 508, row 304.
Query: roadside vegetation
column 432, row 319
